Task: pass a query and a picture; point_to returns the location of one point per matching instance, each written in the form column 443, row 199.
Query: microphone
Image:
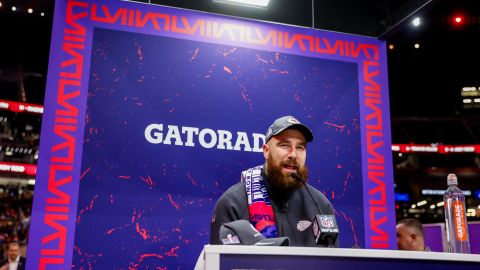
column 325, row 230
column 297, row 177
column 325, row 227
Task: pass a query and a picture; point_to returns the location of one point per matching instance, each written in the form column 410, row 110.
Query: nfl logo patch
column 327, row 222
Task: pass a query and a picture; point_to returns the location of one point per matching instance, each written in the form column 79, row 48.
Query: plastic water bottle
column 455, row 217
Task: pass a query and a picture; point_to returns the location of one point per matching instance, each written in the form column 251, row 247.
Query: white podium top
column 210, row 257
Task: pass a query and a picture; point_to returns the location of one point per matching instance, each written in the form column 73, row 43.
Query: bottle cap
column 452, row 179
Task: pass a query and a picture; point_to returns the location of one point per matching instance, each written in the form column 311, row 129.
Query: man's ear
column 414, row 237
column 266, row 150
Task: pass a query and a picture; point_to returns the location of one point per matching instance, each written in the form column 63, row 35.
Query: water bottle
column 455, row 217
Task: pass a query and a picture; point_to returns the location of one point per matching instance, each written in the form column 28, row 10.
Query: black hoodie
column 294, row 212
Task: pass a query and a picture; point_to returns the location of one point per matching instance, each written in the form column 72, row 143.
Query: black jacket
column 293, row 213
column 21, row 263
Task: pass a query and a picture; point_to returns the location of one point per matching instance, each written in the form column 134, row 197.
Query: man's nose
column 292, row 152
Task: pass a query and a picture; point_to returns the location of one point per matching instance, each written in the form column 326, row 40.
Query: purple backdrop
column 152, row 112
column 436, row 239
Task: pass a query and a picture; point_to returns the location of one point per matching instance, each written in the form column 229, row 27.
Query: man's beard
column 285, row 183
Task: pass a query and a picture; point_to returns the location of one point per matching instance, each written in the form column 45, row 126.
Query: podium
column 218, row 257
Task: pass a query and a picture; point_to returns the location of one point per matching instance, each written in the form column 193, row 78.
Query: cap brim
column 300, row 127
column 279, row 241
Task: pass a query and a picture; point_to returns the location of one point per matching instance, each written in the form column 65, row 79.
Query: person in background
column 14, row 260
column 410, row 235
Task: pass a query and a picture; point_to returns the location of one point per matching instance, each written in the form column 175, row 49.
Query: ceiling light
column 391, row 46
column 458, row 19
column 0, row 4
column 416, row 45
column 416, row 21
column 42, row 14
column 468, row 89
column 421, row 203
column 30, row 10
column 249, row 3
column 14, row 8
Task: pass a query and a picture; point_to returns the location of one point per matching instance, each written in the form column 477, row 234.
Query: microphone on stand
column 324, row 227
column 297, row 177
column 325, row 230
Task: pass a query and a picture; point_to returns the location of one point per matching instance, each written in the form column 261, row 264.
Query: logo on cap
column 293, row 120
column 231, row 239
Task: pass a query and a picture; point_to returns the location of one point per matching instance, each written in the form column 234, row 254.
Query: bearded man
column 275, row 197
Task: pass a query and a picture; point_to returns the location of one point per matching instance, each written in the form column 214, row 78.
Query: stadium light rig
column 247, row 3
